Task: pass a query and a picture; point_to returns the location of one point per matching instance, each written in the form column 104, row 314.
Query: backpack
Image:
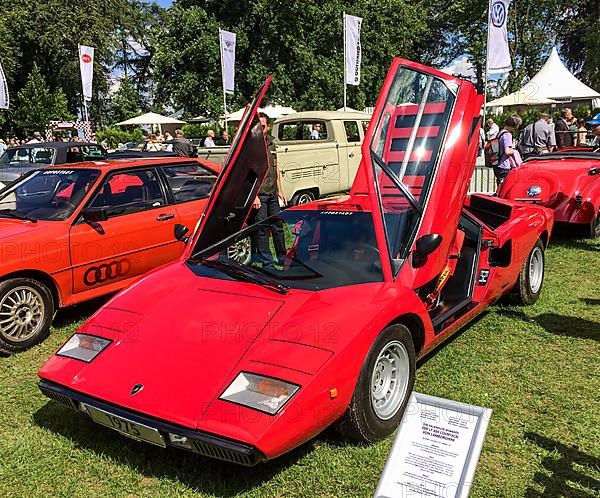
column 491, row 151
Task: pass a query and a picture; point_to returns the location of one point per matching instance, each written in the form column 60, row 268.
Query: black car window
column 129, row 192
column 189, row 182
column 352, row 134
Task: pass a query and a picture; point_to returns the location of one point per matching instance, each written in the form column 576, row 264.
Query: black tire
column 30, row 305
column 527, row 290
column 303, row 197
column 361, row 421
column 594, row 230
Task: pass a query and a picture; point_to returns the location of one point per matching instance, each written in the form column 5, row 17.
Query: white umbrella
column 151, row 118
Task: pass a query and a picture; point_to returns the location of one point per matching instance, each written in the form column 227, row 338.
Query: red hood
column 560, row 180
column 11, row 228
column 182, row 349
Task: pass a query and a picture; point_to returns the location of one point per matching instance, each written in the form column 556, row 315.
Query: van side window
column 352, row 134
column 302, row 130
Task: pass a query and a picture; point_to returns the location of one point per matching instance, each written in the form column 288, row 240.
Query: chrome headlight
column 534, row 190
column 259, row 392
column 83, row 347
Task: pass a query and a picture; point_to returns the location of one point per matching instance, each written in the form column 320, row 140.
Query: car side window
column 189, row 182
column 302, row 130
column 352, row 134
column 129, row 192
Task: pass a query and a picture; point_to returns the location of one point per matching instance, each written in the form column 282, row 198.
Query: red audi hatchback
column 245, row 361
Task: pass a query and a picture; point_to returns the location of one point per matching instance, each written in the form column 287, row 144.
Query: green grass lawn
column 536, row 367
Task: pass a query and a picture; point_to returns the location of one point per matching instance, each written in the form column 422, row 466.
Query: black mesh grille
column 212, row 451
column 61, row 398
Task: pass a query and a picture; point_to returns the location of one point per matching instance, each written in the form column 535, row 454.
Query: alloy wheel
column 22, row 312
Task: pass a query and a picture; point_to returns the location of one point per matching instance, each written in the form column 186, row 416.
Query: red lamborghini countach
column 566, row 182
column 245, row 361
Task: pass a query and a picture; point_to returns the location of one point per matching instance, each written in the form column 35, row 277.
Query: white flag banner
column 352, row 25
column 227, row 42
column 4, row 100
column 498, row 53
column 86, row 66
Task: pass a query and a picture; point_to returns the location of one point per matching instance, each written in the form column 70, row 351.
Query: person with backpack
column 501, row 153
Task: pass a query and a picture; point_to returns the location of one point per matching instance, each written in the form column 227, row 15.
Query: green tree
column 48, row 33
column 37, row 104
column 300, row 44
column 125, row 103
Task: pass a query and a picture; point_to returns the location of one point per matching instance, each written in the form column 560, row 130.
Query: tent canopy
column 553, row 83
column 150, row 118
column 273, row 111
column 520, row 97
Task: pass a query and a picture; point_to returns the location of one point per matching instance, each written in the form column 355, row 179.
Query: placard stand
column 436, row 449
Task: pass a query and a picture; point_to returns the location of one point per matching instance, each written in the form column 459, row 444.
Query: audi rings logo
column 498, row 14
column 105, row 272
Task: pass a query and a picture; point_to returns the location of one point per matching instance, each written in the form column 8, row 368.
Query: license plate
column 139, row 432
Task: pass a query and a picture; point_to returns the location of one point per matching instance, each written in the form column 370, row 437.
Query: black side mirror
column 424, row 247
column 94, row 215
column 180, row 232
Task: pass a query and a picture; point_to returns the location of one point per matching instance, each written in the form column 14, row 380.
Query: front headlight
column 260, row 393
column 83, row 347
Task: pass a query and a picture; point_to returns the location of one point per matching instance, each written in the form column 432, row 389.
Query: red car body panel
column 187, row 336
column 569, row 183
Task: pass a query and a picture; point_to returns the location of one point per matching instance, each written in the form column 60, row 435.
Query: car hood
column 11, row 228
column 182, row 348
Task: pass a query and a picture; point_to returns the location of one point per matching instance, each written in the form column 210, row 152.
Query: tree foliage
column 38, row 104
column 280, row 38
column 125, row 103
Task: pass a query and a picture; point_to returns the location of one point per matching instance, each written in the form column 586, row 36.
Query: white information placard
column 436, row 449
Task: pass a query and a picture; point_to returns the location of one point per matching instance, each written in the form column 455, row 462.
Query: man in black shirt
column 267, row 204
column 182, row 146
column 564, row 137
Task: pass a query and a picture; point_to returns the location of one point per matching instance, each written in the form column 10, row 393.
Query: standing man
column 544, row 138
column 267, row 204
column 36, row 139
column 493, row 129
column 564, row 138
column 182, row 146
column 595, row 124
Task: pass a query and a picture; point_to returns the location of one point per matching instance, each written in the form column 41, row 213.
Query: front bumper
column 203, row 443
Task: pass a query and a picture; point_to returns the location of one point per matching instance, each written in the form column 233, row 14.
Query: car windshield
column 20, row 155
column 47, row 194
column 319, row 250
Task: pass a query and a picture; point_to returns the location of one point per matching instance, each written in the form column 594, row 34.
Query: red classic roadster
column 245, row 361
column 566, row 182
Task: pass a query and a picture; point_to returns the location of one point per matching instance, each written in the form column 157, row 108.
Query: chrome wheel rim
column 241, row 251
column 304, row 198
column 536, row 270
column 22, row 313
column 389, row 380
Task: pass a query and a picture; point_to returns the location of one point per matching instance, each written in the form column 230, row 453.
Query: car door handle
column 165, row 217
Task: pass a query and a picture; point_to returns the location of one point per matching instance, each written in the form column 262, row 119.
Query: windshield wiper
column 11, row 213
column 241, row 272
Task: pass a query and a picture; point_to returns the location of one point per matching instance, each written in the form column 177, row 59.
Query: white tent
column 273, row 111
column 151, row 118
column 521, row 97
column 554, row 81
